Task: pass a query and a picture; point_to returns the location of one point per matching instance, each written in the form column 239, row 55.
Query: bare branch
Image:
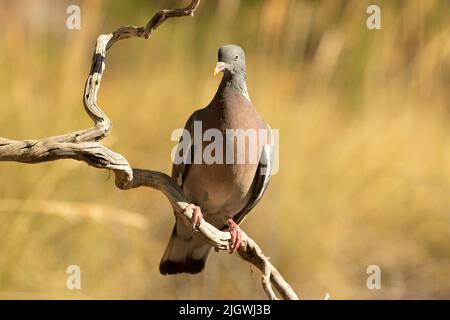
column 84, row 146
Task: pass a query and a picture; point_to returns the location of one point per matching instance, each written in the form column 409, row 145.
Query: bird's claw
column 236, row 235
column 197, row 215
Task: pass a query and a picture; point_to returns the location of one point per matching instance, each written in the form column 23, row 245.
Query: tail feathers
column 184, row 254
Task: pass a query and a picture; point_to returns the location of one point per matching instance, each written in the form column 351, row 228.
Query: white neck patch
column 245, row 92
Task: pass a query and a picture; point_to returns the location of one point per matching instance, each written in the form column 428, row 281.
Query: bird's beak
column 220, row 67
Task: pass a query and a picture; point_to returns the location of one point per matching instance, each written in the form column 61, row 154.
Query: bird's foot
column 197, row 215
column 236, row 235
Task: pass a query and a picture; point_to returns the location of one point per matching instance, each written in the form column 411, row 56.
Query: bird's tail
column 184, row 253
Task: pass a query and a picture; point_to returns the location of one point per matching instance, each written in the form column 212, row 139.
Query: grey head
column 231, row 61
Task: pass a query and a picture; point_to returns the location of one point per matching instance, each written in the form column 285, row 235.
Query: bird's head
column 231, row 61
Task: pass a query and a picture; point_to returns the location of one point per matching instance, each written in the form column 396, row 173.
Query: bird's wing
column 180, row 169
column 260, row 182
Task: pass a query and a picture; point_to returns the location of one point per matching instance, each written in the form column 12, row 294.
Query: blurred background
column 364, row 120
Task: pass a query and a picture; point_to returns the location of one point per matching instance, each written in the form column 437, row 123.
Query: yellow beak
column 220, row 67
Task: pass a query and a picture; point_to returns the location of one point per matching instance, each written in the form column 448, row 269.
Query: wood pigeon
column 221, row 193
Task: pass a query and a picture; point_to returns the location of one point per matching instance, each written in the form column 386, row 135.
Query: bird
column 221, row 193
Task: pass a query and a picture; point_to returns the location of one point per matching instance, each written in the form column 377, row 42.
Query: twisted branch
column 84, row 146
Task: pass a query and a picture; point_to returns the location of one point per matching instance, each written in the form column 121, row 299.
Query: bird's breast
column 220, row 190
column 223, row 188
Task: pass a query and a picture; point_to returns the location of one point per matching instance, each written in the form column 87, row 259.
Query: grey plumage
column 222, row 191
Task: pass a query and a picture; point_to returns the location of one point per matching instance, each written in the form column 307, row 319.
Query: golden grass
column 364, row 161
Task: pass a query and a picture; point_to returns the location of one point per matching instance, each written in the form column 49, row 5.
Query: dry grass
column 365, row 151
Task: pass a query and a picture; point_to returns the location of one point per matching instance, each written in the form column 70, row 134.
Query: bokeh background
column 364, row 160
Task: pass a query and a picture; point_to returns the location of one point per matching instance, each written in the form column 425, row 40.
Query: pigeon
column 221, row 193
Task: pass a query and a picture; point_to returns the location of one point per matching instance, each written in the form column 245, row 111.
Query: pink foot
column 236, row 235
column 197, row 215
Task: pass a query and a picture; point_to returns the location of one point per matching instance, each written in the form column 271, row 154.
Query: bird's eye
column 236, row 57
